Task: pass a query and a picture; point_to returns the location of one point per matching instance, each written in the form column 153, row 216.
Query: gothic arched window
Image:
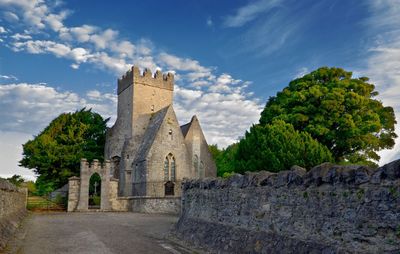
column 166, row 169
column 173, row 169
column 169, row 168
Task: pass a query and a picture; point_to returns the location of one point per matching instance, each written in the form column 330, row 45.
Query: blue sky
column 229, row 57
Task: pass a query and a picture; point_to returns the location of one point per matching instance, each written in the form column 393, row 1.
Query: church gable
column 169, row 148
column 202, row 161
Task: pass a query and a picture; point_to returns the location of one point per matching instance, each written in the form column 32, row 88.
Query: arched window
column 166, row 169
column 196, row 164
column 169, row 168
column 173, row 169
column 94, row 201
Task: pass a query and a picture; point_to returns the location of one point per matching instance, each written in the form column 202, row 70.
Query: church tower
column 139, row 97
column 150, row 152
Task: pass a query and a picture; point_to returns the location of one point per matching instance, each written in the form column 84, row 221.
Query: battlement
column 95, row 165
column 159, row 80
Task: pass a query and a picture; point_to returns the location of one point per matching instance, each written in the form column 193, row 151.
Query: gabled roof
column 151, row 132
column 186, row 127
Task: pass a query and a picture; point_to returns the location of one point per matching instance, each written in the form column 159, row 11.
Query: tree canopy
column 339, row 111
column 17, row 180
column 224, row 159
column 56, row 152
column 278, row 146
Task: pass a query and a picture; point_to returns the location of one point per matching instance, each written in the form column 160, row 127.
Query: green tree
column 17, row 180
column 337, row 110
column 224, row 159
column 30, row 185
column 278, row 146
column 55, row 153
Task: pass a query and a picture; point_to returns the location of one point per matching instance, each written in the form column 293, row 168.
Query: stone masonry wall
column 330, row 209
column 12, row 210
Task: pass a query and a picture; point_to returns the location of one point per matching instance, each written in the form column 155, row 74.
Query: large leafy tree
column 278, row 146
column 224, row 159
column 339, row 111
column 56, row 152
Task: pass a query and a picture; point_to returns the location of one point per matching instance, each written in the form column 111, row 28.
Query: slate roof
column 185, row 128
column 151, row 132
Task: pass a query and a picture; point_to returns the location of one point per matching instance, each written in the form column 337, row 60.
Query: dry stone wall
column 12, row 210
column 330, row 209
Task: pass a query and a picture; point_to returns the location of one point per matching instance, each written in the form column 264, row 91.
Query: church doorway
column 94, row 191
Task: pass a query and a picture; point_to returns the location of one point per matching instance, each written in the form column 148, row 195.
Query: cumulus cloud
column 19, row 36
column 30, row 107
column 384, row 61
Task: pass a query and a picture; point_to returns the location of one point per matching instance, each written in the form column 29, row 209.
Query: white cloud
column 81, row 34
column 383, row 64
column 10, row 16
column 8, row 77
column 301, row 72
column 103, row 39
column 2, row 30
column 35, row 13
column 250, row 12
column 30, row 107
column 19, row 36
column 183, row 64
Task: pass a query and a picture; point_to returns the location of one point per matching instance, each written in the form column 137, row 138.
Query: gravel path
column 95, row 233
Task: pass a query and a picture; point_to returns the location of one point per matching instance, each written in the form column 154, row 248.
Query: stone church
column 150, row 152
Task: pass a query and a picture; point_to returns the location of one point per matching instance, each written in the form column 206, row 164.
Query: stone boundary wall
column 158, row 205
column 12, row 210
column 329, row 209
column 167, row 205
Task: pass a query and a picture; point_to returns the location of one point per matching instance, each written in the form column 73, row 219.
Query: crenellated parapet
column 159, row 80
column 95, row 166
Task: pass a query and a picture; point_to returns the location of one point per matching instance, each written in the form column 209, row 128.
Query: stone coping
column 325, row 173
column 147, row 197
